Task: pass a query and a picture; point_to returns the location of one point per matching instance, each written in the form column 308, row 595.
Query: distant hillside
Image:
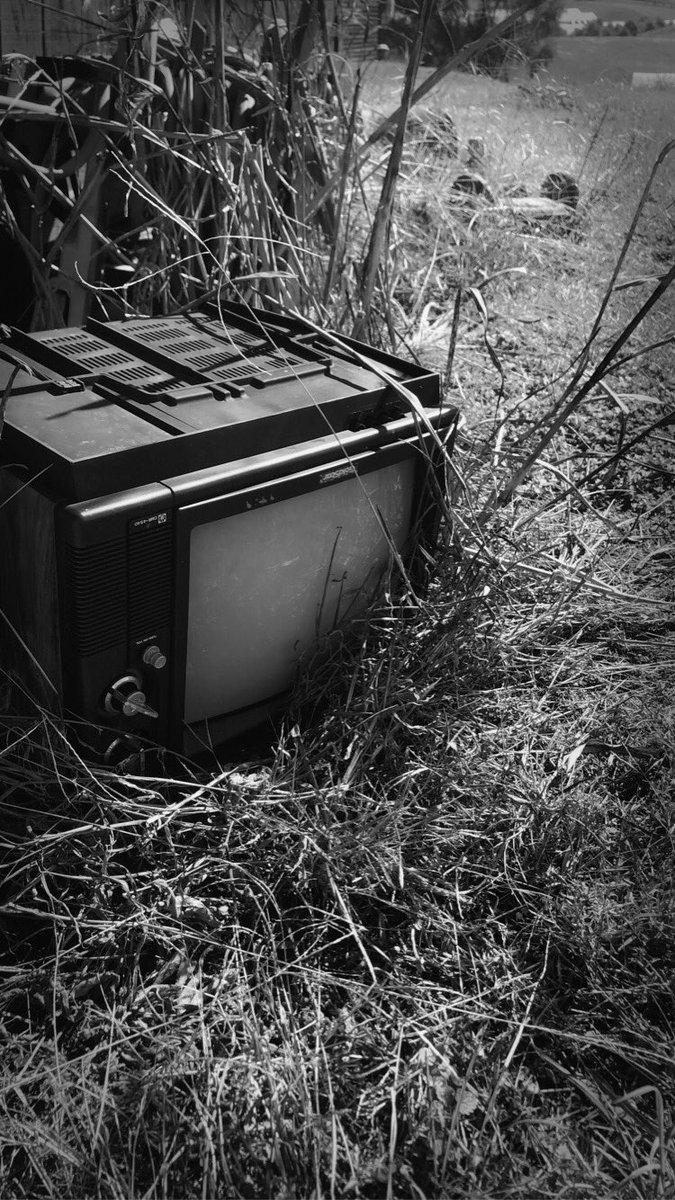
column 585, row 59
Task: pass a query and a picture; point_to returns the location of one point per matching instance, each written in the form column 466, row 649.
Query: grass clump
column 422, row 947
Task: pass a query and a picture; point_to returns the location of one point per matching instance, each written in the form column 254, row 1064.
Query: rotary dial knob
column 125, row 697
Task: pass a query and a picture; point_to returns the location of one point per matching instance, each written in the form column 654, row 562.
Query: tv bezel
column 218, row 489
column 426, row 448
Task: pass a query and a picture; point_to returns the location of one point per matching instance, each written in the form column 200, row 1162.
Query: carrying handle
column 167, row 395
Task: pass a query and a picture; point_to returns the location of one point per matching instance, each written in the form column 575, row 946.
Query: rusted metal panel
column 357, row 26
column 55, row 28
column 20, row 28
column 65, row 27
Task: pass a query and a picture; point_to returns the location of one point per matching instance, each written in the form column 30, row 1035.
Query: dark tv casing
column 188, row 503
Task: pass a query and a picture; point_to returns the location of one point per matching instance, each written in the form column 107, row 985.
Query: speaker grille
column 120, row 589
column 96, row 577
column 150, row 578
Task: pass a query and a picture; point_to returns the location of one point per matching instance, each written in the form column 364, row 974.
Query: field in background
column 584, row 60
column 607, row 137
column 529, row 130
column 623, row 10
column 423, row 948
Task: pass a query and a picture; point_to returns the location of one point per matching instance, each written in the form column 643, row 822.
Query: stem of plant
column 380, row 232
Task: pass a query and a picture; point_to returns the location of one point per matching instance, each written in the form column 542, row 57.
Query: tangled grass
column 423, row 949
column 421, row 946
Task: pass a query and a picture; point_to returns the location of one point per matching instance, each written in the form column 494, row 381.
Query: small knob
column 153, row 657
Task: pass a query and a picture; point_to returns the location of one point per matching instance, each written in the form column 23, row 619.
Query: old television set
column 189, row 503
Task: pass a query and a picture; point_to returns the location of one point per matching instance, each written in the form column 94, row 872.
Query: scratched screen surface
column 265, row 583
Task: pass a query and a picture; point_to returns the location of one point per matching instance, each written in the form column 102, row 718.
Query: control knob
column 125, row 697
column 122, row 751
column 153, row 657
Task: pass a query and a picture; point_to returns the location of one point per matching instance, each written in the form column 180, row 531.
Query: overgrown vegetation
column 423, row 947
column 629, row 28
column 453, row 24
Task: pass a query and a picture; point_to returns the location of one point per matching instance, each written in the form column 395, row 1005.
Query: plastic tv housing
column 188, row 503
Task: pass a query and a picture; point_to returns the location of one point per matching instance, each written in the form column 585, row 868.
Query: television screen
column 265, row 581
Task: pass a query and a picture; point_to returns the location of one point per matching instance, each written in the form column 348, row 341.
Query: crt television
column 188, row 503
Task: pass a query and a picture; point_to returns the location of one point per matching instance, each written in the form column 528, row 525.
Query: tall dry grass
column 421, row 945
